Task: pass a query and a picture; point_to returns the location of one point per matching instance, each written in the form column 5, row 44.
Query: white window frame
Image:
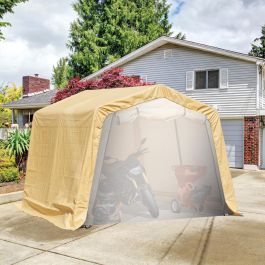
column 206, row 70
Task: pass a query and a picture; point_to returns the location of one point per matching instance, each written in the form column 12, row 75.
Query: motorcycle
column 123, row 182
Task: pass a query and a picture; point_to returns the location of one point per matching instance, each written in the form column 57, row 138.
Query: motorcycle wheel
column 175, row 206
column 149, row 201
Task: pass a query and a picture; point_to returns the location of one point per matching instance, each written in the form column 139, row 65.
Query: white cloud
column 18, row 59
column 224, row 23
column 40, row 30
column 36, row 39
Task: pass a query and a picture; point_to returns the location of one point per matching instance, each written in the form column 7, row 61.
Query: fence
column 4, row 132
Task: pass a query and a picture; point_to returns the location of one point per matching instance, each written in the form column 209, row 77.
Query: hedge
column 8, row 169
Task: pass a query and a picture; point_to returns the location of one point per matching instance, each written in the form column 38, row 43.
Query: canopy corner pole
column 178, row 142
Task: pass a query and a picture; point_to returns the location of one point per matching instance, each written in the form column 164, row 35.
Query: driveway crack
column 205, row 245
column 175, row 240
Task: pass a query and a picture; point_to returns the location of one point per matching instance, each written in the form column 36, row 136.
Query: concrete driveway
column 215, row 240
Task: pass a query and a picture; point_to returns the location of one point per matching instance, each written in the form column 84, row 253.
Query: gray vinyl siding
column 236, row 101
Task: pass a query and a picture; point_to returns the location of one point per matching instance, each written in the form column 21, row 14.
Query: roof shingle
column 36, row 101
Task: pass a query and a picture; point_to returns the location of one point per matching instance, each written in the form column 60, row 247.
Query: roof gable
column 182, row 43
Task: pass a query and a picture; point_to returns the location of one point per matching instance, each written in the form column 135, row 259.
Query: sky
column 36, row 40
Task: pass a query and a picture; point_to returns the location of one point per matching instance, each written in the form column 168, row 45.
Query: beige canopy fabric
column 64, row 145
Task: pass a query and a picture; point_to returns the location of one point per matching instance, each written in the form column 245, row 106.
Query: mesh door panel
column 157, row 162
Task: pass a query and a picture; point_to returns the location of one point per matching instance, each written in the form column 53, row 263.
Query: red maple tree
column 109, row 79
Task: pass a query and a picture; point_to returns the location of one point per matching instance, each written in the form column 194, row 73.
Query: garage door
column 233, row 134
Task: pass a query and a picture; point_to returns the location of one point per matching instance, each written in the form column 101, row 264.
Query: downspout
column 260, row 69
column 262, row 82
column 262, row 129
column 260, row 73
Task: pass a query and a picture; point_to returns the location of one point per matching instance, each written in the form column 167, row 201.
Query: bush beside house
column 8, row 169
column 13, row 153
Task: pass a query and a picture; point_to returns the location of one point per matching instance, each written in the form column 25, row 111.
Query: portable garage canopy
column 127, row 154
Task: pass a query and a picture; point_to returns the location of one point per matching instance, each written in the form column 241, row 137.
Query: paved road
column 215, row 240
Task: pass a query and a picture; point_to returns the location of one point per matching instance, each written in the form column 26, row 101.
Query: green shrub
column 8, row 174
column 6, row 160
column 8, row 169
column 17, row 145
column 2, row 144
column 3, row 152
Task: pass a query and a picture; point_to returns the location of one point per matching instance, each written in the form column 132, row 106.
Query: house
column 231, row 82
column 36, row 94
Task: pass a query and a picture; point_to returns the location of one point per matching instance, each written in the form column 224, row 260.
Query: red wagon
column 189, row 194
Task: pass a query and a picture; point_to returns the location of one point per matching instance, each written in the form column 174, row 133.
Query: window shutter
column 224, row 78
column 190, row 80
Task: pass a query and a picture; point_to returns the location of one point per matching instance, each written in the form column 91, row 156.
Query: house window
column 207, row 79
